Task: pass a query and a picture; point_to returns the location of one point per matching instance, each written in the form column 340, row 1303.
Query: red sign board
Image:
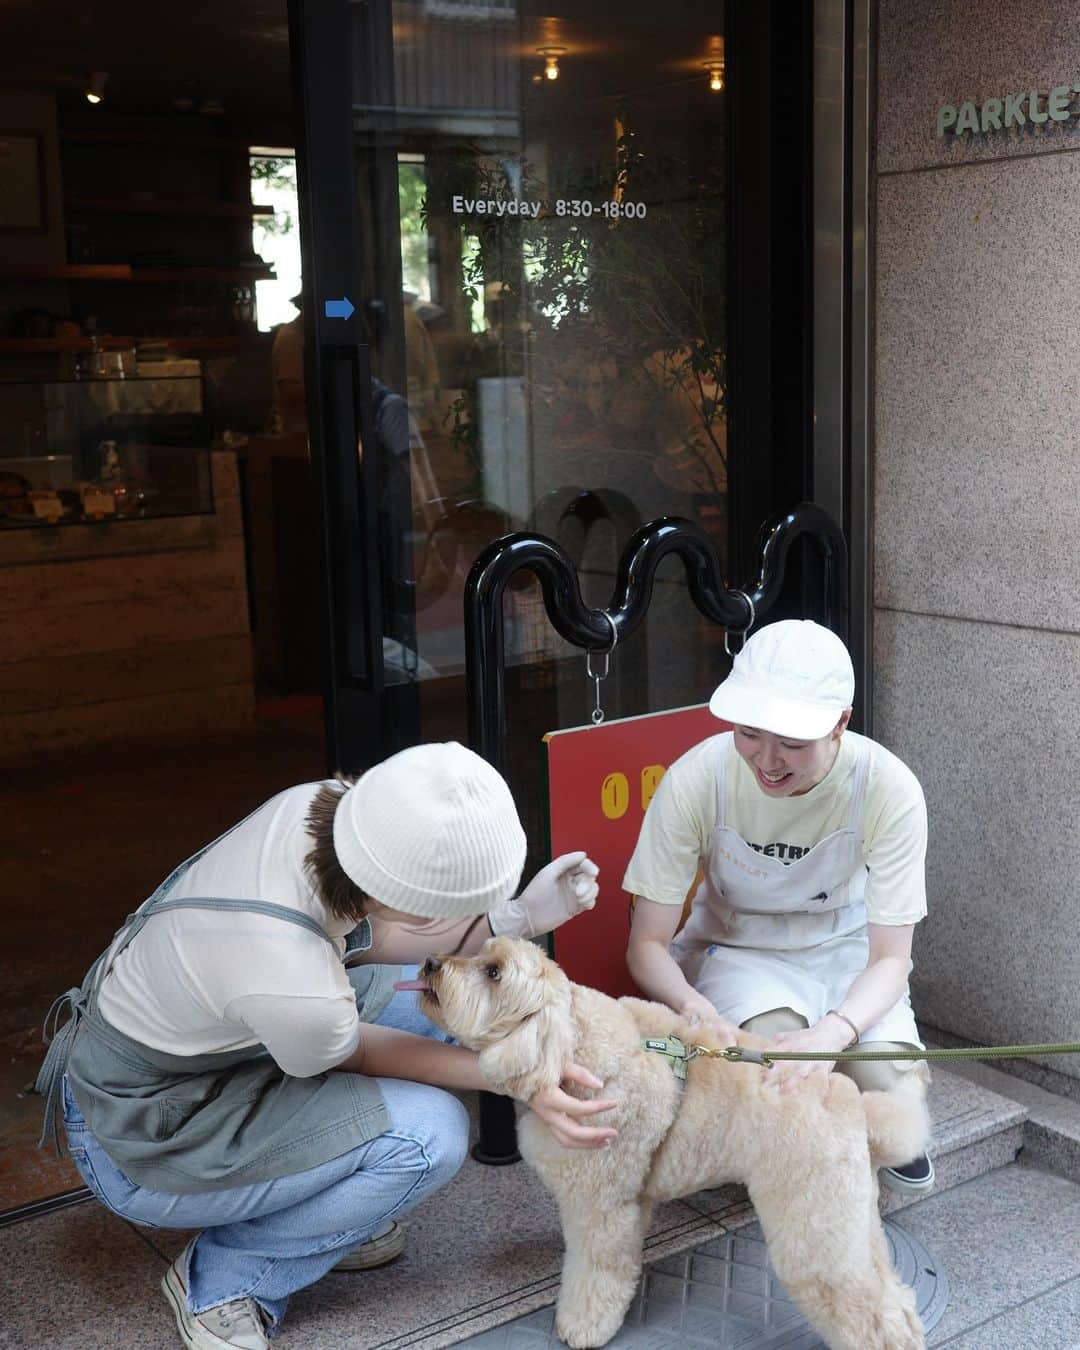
column 600, row 780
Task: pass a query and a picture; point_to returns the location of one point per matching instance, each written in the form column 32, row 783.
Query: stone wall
column 977, row 502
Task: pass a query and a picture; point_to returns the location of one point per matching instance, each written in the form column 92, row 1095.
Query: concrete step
column 1052, row 1127
column 975, row 1129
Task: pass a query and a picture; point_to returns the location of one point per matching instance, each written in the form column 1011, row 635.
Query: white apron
column 766, row 934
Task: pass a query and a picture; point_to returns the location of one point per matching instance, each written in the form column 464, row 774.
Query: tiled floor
column 1010, row 1245
column 721, row 1294
column 488, row 1249
column 482, row 1250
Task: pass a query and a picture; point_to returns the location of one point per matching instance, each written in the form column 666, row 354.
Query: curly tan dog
column 807, row 1157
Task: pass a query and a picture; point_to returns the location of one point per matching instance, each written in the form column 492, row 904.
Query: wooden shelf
column 31, row 346
column 216, row 343
column 167, row 206
column 227, row 342
column 124, row 272
column 107, row 137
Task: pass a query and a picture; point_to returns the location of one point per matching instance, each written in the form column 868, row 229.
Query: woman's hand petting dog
column 697, row 1011
column 823, row 1037
column 559, row 1112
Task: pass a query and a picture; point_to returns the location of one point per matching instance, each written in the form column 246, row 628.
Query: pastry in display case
column 78, row 451
column 46, row 505
column 14, row 495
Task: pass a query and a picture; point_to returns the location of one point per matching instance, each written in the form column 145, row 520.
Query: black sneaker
column 910, row 1179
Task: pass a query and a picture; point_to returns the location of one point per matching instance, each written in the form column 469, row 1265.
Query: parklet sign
column 600, row 781
column 1028, row 107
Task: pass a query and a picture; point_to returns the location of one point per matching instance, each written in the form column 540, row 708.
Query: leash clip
column 742, row 1054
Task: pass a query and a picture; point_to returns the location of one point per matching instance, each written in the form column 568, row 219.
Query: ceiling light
column 716, row 75
column 551, row 60
column 95, row 90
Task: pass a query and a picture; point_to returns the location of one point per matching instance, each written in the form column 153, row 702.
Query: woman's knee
column 774, row 1022
column 450, row 1137
column 434, row 1120
column 880, row 1075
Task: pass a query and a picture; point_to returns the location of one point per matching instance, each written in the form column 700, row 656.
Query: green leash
column 742, row 1054
column 678, row 1054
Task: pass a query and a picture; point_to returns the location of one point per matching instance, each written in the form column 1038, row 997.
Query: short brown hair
column 342, row 897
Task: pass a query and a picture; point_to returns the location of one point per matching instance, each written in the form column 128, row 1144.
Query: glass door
column 516, row 223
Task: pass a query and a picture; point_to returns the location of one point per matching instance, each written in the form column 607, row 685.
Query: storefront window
column 545, row 284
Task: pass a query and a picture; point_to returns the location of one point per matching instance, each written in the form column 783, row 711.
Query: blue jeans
column 268, row 1239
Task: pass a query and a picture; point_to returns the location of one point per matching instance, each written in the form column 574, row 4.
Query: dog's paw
column 580, row 1337
column 586, row 1332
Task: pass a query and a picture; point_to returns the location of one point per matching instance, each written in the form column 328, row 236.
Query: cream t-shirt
column 196, row 981
column 680, row 819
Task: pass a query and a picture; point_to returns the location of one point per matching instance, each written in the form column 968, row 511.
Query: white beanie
column 432, row 831
column 793, row 678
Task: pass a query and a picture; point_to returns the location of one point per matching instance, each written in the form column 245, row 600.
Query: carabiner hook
column 597, row 713
column 743, row 631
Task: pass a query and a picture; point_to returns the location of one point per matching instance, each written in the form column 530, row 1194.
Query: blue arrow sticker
column 340, row 309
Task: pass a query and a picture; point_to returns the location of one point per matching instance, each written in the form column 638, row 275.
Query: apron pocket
column 176, row 1113
column 173, row 1114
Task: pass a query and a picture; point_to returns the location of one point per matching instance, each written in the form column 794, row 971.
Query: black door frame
column 366, row 719
column 768, row 67
column 800, row 127
column 843, row 87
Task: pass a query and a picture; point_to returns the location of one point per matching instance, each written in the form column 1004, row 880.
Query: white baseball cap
column 793, row 678
column 432, row 831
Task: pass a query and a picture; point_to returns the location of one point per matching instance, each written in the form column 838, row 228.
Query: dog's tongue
column 421, row 985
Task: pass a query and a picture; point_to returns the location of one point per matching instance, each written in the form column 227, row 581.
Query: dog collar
column 677, row 1053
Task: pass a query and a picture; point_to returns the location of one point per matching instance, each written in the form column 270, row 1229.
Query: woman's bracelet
column 855, row 1032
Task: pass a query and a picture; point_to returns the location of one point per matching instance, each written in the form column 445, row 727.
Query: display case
column 78, row 451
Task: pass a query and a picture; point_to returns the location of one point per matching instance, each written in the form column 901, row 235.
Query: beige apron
column 766, row 934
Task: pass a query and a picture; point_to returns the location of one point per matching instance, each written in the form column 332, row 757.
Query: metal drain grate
column 723, row 1295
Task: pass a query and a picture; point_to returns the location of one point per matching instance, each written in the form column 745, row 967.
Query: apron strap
column 358, row 942
column 179, row 870
column 51, row 1074
column 236, row 906
column 858, row 787
column 153, row 903
column 723, row 742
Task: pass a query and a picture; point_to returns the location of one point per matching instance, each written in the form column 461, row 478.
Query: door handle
column 351, row 514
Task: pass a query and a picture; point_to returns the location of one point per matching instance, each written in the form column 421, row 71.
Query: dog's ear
column 538, row 1051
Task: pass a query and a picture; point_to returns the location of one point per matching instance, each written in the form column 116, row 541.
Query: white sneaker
column 385, row 1245
column 236, row 1325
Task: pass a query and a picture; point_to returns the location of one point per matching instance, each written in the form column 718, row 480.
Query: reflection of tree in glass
column 649, row 294
column 412, row 188
column 277, row 175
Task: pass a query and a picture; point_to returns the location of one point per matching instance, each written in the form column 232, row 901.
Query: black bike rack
column 591, row 630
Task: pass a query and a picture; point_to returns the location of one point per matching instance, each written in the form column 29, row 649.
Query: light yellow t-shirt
column 892, row 830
